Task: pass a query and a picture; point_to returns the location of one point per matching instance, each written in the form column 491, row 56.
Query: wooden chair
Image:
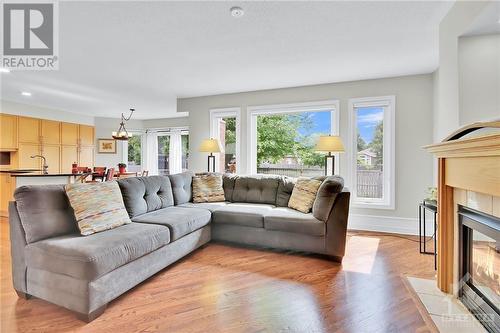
column 145, row 173
column 110, row 174
column 99, row 173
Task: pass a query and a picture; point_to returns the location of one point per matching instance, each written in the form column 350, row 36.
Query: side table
column 430, row 205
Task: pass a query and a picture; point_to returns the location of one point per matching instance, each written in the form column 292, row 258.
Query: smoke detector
column 237, row 11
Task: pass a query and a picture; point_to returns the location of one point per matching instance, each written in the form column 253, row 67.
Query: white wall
column 414, row 106
column 458, row 19
column 479, row 78
column 44, row 113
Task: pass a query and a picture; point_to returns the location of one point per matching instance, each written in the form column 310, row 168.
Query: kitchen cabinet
column 69, row 155
column 86, row 135
column 6, row 191
column 69, row 134
column 86, row 156
column 8, row 132
column 28, row 130
column 52, row 154
column 50, row 132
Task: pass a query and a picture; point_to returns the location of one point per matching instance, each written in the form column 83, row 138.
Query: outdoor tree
column 276, row 137
column 134, row 149
column 377, row 144
column 230, row 134
column 361, row 143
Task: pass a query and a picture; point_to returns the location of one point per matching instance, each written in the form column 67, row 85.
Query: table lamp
column 210, row 146
column 330, row 144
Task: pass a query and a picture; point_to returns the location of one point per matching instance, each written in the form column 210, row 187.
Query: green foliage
column 361, row 143
column 163, row 145
column 279, row 137
column 377, row 144
column 134, row 149
column 230, row 134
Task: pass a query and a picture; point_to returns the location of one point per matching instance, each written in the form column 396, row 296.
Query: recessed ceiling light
column 4, row 70
column 237, row 12
column 26, row 93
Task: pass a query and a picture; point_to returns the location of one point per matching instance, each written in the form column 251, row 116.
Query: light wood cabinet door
column 86, row 156
column 86, row 135
column 6, row 190
column 52, row 154
column 8, row 131
column 29, row 130
column 51, row 132
column 69, row 134
column 69, row 155
column 23, row 154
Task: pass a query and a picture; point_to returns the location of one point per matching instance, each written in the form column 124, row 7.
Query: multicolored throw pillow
column 304, row 194
column 208, row 188
column 97, row 206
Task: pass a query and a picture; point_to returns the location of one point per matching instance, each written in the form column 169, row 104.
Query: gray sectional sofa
column 52, row 261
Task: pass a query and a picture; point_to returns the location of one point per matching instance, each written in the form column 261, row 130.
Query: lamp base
column 329, row 165
column 211, row 163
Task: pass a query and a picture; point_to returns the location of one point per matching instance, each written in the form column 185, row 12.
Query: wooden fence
column 370, row 183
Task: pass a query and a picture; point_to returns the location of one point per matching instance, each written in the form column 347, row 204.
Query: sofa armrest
column 17, row 245
column 336, row 225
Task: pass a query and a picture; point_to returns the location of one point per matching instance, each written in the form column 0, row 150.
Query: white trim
column 389, row 103
column 395, row 225
column 226, row 113
column 254, row 111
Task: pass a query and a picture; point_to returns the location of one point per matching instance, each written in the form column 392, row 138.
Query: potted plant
column 122, row 167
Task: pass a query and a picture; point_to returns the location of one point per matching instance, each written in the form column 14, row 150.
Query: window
column 283, row 137
column 134, row 153
column 225, row 126
column 372, row 151
column 173, row 151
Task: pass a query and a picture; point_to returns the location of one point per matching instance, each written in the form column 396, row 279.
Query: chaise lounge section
column 52, row 261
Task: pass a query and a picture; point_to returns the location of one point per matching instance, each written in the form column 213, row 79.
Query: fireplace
column 479, row 265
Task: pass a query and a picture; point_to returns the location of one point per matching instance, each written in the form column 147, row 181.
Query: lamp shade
column 329, row 143
column 210, row 146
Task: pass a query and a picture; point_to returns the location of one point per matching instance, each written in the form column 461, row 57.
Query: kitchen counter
column 40, row 174
column 37, row 177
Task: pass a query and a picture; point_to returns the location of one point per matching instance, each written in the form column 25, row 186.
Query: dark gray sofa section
column 52, row 261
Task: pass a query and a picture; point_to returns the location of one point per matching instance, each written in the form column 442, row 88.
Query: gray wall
column 414, row 106
column 479, row 78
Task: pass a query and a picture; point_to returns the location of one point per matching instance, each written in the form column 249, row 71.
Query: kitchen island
column 39, row 178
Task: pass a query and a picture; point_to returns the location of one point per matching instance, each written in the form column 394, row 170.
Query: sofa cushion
column 181, row 187
column 255, row 189
column 245, row 214
column 208, row 188
column 284, row 192
column 87, row 258
column 211, row 206
column 290, row 220
column 228, row 181
column 304, row 194
column 181, row 221
column 97, row 206
column 327, row 193
column 44, row 211
column 146, row 194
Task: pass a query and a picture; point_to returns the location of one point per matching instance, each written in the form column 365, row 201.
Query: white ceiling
column 115, row 55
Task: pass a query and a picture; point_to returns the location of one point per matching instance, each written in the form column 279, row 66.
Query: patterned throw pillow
column 208, row 188
column 303, row 194
column 97, row 206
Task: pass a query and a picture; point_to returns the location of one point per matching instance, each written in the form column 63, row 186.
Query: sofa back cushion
column 255, row 189
column 285, row 189
column 44, row 212
column 228, row 181
column 326, row 195
column 181, row 187
column 146, row 194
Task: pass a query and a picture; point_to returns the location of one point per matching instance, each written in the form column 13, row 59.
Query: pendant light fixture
column 122, row 133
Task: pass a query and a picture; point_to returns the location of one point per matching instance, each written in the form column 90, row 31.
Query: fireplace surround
column 479, row 266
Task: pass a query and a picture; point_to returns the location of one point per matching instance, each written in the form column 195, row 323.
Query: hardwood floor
column 222, row 288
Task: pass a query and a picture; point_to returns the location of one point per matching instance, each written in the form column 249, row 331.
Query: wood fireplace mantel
column 466, row 164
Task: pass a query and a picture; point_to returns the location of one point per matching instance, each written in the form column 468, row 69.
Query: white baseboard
column 395, row 225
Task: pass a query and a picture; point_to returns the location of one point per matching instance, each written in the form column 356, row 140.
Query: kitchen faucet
column 45, row 166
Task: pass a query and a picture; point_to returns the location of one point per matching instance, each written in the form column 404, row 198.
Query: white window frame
column 389, row 195
column 215, row 115
column 254, row 111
